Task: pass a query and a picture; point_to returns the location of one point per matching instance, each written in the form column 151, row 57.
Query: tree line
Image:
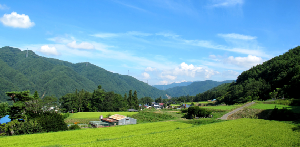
column 98, row 101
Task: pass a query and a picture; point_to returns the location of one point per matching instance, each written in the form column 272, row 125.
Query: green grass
column 97, row 114
column 241, row 132
column 295, row 109
column 222, row 107
column 175, row 105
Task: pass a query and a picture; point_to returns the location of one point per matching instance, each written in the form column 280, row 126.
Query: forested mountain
column 279, row 75
column 165, row 87
column 55, row 77
column 194, row 88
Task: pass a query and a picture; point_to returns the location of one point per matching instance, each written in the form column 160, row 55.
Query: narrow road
column 224, row 117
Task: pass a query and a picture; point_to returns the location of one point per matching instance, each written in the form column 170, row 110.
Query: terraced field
column 241, row 132
column 222, row 107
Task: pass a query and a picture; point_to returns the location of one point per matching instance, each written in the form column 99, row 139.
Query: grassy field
column 222, row 107
column 97, row 114
column 241, row 132
column 175, row 105
column 295, row 109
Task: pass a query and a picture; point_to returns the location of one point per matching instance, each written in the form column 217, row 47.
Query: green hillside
column 194, row 88
column 55, row 77
column 281, row 73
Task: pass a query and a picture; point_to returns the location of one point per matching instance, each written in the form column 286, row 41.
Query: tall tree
column 135, row 100
column 130, row 102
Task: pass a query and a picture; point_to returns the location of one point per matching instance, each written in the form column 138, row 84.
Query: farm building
column 119, row 120
column 114, row 120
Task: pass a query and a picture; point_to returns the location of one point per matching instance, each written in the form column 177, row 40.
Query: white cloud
column 237, row 36
column 246, row 62
column 164, row 82
column 48, row 50
column 150, row 69
column 136, row 33
column 3, row 7
column 82, row 45
column 167, row 35
column 227, row 3
column 105, row 35
column 16, row 20
column 169, row 77
column 145, row 75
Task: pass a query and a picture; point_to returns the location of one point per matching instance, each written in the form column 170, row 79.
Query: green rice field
column 222, row 107
column 97, row 114
column 295, row 109
column 241, row 132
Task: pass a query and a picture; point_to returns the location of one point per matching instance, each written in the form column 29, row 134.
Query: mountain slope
column 281, row 72
column 194, row 88
column 55, row 77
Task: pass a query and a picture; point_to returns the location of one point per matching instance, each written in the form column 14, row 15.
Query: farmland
column 222, row 107
column 295, row 109
column 97, row 114
column 241, row 132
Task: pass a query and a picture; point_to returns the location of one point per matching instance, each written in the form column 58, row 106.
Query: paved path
column 224, row 117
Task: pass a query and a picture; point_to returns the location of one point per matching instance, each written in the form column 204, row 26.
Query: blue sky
column 159, row 41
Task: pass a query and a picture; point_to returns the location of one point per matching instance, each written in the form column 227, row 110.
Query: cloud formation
column 16, row 20
column 246, row 62
column 105, row 35
column 237, row 36
column 227, row 3
column 3, row 7
column 45, row 49
column 82, row 45
column 145, row 75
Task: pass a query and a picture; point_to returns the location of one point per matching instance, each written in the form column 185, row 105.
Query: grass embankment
column 263, row 106
column 241, row 132
column 86, row 117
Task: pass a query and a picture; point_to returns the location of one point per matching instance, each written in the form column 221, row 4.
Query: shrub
column 52, row 122
column 74, row 127
column 16, row 127
column 66, row 115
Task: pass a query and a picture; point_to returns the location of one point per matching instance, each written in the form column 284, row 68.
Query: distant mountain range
column 165, row 87
column 54, row 77
column 190, row 88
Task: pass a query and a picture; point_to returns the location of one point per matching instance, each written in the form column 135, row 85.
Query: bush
column 16, row 127
column 66, row 115
column 52, row 122
column 74, row 127
column 197, row 112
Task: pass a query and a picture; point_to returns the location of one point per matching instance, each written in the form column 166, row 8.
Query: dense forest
column 194, row 88
column 98, row 101
column 53, row 77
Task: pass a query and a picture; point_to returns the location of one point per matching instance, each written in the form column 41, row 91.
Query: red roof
column 161, row 104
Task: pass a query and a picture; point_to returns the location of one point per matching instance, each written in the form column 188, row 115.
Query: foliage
column 241, row 132
column 16, row 127
column 99, row 100
column 51, row 122
column 74, row 127
column 196, row 111
column 66, row 115
column 4, row 109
